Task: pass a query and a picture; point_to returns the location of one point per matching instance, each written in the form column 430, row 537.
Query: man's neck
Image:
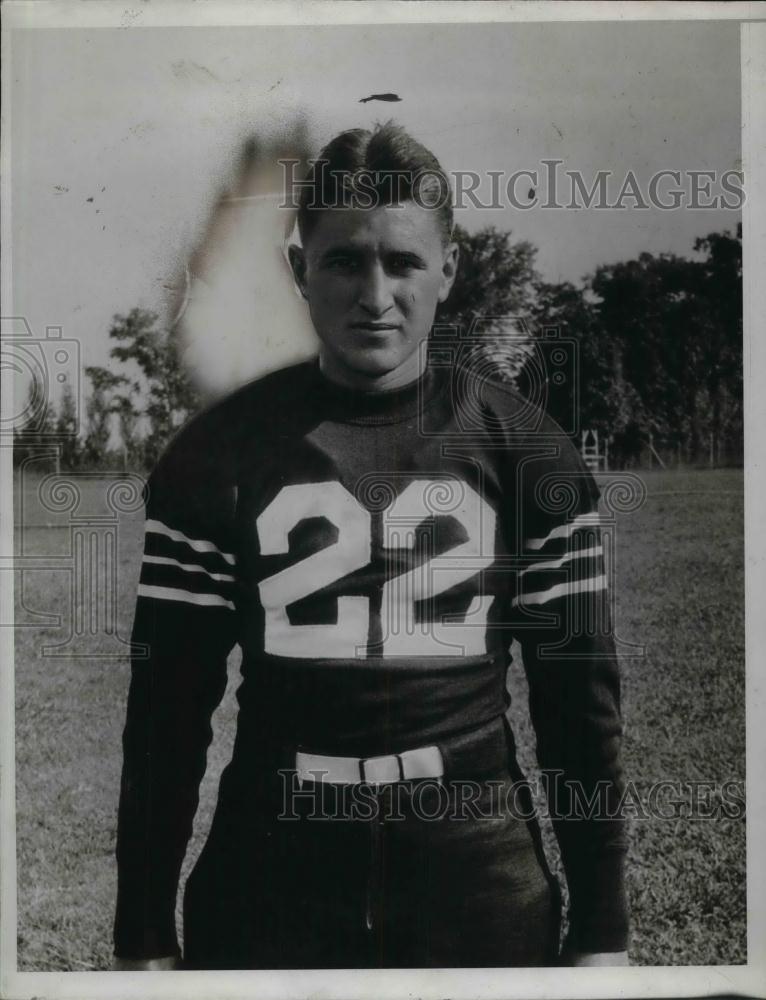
column 407, row 373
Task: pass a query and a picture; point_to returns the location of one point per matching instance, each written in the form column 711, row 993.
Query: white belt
column 424, row 762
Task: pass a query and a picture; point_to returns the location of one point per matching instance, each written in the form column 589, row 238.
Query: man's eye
column 401, row 265
column 342, row 264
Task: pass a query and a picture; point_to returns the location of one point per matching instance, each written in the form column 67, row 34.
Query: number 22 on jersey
column 403, row 635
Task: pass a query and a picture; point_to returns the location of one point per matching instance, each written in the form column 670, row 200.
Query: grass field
column 680, row 593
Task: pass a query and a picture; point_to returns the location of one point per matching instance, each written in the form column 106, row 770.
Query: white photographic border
column 748, row 979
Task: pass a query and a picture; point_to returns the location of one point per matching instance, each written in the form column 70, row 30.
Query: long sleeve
column 563, row 624
column 185, row 623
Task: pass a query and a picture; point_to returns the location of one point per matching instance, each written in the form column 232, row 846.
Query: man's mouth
column 371, row 327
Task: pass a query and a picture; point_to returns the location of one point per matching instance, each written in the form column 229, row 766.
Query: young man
column 373, row 531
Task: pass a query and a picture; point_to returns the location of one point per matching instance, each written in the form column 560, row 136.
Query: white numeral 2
column 402, row 635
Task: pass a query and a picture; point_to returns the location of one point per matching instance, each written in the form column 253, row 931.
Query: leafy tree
column 493, row 296
column 719, row 291
column 156, row 377
column 677, row 327
column 128, row 416
column 170, row 395
column 589, row 389
column 643, row 309
column 99, row 409
column 495, row 278
column 67, row 431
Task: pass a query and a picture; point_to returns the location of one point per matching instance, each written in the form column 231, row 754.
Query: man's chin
column 373, row 364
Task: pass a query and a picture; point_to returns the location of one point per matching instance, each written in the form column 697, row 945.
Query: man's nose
column 375, row 294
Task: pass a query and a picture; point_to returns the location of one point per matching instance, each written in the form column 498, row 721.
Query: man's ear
column 449, row 270
column 297, row 258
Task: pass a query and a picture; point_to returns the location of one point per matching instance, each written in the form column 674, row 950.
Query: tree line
column 652, row 353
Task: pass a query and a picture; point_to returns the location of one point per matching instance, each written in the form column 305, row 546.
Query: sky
column 122, row 139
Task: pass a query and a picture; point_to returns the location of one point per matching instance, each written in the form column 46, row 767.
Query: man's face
column 373, row 279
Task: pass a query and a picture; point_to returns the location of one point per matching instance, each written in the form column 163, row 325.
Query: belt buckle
column 389, row 769
column 424, row 763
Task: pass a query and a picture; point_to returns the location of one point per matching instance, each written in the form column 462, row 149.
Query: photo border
column 455, row 983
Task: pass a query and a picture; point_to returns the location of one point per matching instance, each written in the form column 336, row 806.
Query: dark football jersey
column 374, row 555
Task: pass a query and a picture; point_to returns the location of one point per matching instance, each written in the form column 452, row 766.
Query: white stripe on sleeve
column 590, row 520
column 190, row 568
column 561, row 590
column 198, row 544
column 596, row 550
column 183, row 596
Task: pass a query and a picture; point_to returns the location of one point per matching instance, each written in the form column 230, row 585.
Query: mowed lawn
column 680, row 593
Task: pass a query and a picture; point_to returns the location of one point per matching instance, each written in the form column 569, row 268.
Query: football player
column 373, row 528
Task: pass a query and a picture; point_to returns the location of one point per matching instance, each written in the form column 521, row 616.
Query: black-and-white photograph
column 374, row 430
